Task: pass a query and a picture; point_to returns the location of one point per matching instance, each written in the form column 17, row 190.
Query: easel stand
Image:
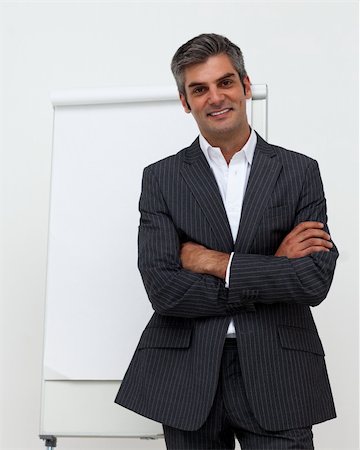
column 50, row 441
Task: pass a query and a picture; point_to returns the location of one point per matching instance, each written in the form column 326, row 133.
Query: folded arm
column 172, row 289
column 301, row 269
column 270, row 279
column 187, row 280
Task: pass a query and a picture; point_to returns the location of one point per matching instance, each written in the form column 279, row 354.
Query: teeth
column 220, row 112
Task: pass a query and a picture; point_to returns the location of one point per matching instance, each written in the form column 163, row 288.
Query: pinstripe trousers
column 231, row 416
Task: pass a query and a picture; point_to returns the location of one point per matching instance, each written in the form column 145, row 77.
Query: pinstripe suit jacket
column 173, row 375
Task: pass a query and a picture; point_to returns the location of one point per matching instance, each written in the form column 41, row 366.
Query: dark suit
column 173, row 375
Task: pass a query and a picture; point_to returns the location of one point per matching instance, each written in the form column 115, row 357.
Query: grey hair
column 199, row 49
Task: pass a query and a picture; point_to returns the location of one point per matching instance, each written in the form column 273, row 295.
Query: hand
column 199, row 259
column 305, row 238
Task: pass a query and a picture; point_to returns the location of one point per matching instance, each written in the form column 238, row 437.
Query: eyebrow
column 199, row 83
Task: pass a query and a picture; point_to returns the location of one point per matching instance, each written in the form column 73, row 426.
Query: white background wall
column 305, row 51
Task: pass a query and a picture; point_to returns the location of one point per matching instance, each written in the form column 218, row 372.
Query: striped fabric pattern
column 231, row 416
column 173, row 375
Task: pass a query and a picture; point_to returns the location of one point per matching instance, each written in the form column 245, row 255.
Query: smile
column 219, row 113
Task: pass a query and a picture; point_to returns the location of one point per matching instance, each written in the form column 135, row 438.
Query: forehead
column 209, row 71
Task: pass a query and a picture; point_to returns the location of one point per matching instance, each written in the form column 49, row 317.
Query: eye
column 226, row 83
column 198, row 90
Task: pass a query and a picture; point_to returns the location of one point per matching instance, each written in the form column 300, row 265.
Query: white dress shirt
column 232, row 181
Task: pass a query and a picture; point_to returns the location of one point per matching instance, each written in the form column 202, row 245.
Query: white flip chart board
column 96, row 306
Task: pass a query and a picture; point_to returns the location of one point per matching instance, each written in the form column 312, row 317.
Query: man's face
column 216, row 98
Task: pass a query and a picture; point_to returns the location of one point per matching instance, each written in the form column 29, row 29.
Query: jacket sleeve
column 172, row 290
column 269, row 279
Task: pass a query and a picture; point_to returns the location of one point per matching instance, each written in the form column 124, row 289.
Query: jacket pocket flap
column 297, row 338
column 165, row 337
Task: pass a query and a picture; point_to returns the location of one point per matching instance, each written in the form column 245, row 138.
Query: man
column 233, row 250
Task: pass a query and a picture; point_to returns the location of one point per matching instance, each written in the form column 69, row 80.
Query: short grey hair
column 199, row 49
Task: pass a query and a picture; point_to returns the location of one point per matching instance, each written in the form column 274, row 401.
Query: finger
column 303, row 226
column 315, row 242
column 313, row 233
column 313, row 249
column 307, row 235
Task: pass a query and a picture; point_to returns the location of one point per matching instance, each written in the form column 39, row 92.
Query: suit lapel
column 201, row 181
column 263, row 175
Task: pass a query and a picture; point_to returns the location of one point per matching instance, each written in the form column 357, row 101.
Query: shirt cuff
column 227, row 275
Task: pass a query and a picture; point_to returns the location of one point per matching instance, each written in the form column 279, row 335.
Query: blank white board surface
column 87, row 408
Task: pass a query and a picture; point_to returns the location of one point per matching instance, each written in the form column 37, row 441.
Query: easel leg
column 50, row 441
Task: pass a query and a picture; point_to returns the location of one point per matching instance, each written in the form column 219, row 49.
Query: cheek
column 197, row 103
column 196, row 112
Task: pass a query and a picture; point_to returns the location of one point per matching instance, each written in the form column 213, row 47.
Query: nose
column 215, row 96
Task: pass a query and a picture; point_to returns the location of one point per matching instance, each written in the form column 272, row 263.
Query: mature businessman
column 234, row 248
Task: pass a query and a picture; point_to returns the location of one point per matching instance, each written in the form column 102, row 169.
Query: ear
column 184, row 103
column 247, row 87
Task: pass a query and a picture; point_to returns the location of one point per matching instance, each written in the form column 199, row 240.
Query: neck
column 229, row 145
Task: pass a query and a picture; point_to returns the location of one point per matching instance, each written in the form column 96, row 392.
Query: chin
column 223, row 130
